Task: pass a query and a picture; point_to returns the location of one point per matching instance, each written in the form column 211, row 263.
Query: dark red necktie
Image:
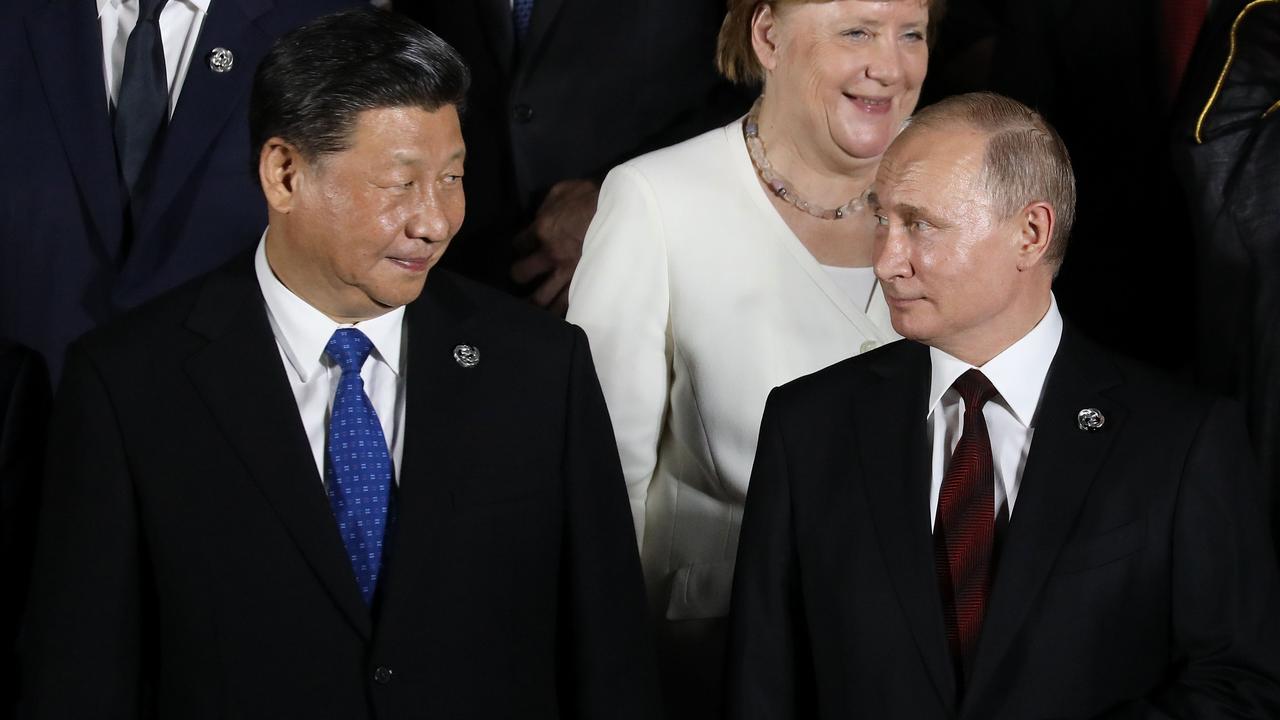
column 964, row 530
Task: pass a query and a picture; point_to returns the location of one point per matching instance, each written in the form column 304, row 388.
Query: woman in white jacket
column 729, row 264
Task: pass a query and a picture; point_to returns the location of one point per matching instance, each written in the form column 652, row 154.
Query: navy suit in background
column 594, row 83
column 67, row 262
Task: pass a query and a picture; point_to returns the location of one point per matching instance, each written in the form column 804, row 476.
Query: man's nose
column 429, row 220
column 891, row 258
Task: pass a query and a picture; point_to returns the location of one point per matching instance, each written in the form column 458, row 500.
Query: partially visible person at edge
column 721, row 267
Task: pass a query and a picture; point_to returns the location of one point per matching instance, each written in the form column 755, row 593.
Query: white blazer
column 698, row 299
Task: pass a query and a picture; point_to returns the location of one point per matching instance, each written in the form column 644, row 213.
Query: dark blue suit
column 67, row 261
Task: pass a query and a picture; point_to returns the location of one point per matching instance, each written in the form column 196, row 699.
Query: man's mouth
column 412, row 264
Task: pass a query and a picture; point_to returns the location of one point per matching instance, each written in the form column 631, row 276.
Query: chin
column 866, row 143
column 401, row 294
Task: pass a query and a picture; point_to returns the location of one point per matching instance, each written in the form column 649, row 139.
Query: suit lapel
column 207, row 99
column 240, row 376
column 437, row 389
column 496, row 24
column 1060, row 470
column 67, row 44
column 540, row 25
column 888, row 442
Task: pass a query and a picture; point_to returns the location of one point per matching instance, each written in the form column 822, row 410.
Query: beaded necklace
column 779, row 185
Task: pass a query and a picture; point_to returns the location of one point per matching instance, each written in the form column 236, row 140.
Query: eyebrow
column 405, row 157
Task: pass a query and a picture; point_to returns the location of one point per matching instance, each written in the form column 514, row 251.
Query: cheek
column 914, row 67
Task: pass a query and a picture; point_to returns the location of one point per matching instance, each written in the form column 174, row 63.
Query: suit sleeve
column 82, row 641
column 766, row 627
column 620, row 296
column 1225, row 593
column 608, row 665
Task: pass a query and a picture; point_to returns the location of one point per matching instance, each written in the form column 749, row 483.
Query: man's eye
column 914, row 36
column 881, row 220
column 857, row 34
column 920, row 225
column 452, row 179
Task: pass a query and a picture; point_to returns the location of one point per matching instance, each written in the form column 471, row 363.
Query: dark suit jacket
column 1135, row 579
column 24, row 414
column 594, row 83
column 190, row 567
column 66, row 260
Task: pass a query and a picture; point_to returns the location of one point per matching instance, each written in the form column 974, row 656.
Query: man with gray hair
column 331, row 480
column 1037, row 528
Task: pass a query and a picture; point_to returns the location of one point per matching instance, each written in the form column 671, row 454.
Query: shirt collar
column 200, row 6
column 1018, row 373
column 303, row 331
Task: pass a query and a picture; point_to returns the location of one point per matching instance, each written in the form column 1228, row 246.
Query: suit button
column 522, row 113
column 383, row 675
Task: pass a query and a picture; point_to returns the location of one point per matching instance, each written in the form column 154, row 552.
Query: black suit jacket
column 67, row 261
column 24, row 414
column 593, row 84
column 190, row 567
column 1135, row 579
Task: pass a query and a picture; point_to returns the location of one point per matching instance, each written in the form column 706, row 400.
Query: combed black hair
column 316, row 80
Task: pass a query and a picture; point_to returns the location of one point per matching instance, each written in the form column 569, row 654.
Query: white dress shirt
column 302, row 332
column 180, row 23
column 1018, row 374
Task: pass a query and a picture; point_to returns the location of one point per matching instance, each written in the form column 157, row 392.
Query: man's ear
column 1036, row 223
column 279, row 168
column 764, row 36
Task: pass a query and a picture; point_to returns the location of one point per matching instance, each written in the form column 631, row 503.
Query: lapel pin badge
column 221, row 60
column 1090, row 419
column 468, row 356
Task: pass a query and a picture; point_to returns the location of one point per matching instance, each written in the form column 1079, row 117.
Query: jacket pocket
column 1089, row 552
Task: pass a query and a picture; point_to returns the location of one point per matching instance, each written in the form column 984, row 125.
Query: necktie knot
column 149, row 10
column 975, row 389
column 349, row 348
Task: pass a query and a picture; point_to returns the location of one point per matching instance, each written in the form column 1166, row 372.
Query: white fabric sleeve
column 620, row 297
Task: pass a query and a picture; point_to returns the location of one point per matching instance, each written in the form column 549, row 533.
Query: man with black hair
column 315, row 484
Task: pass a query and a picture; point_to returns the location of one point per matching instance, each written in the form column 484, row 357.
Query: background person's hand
column 554, row 240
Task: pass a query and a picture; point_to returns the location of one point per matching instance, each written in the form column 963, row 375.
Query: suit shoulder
column 835, row 383
column 1142, row 385
column 496, row 308
column 144, row 326
column 286, row 16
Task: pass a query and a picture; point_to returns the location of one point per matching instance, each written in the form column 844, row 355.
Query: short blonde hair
column 736, row 56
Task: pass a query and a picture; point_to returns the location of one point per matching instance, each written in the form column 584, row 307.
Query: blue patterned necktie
column 521, row 14
column 358, row 467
